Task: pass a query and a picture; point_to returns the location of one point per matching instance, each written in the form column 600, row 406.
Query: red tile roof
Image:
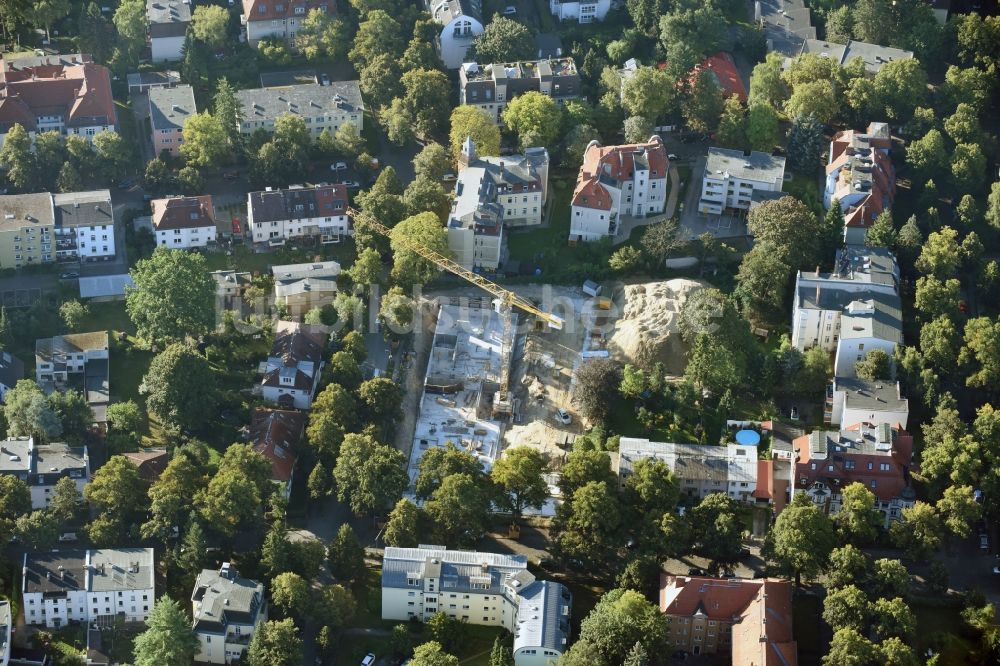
column 616, row 163
column 275, row 434
column 80, row 94
column 150, row 462
column 723, row 67
column 267, row 10
column 845, row 147
column 183, row 212
column 760, row 612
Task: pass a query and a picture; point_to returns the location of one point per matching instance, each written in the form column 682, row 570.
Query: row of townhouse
column 489, row 589
column 69, row 94
column 492, row 87
column 46, row 227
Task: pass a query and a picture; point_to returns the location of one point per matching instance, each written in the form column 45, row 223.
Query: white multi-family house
column 168, row 25
column 584, row 11
column 820, row 298
column 292, row 371
column 302, row 287
column 69, row 94
column 492, row 87
column 84, row 225
column 60, row 356
column 41, row 466
column 98, row 586
column 860, row 176
column 617, row 181
column 700, row 469
column 873, row 322
column 275, row 216
column 479, row 588
column 493, row 193
column 852, row 400
column 732, row 176
column 227, row 609
column 461, row 22
column 278, row 20
column 182, row 223
column 320, row 107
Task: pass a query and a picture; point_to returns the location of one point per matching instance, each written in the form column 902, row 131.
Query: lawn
column 245, row 259
column 804, row 188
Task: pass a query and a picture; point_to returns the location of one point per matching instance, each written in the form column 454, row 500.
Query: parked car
column 449, row 177
column 729, row 573
column 126, row 184
column 563, row 417
column 695, row 571
column 324, row 79
column 368, row 660
column 984, row 542
column 71, row 536
column 510, row 10
column 351, row 184
column 69, row 275
column 338, row 166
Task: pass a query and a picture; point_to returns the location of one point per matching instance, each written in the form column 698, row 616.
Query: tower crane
column 505, row 300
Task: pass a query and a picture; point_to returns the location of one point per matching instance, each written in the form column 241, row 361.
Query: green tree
column 858, row 521
column 762, row 127
column 940, row 255
column 535, row 119
column 426, row 100
column 712, row 367
column 169, row 639
column 346, row 556
column 15, row 501
column 500, row 654
column 893, row 618
column 660, row 239
column 704, row 104
column 460, row 509
column 209, row 23
column 228, row 111
column 846, row 607
column 131, row 22
column 703, row 29
column 432, row 654
column 767, row 88
column 72, row 313
column 803, row 538
column 850, row 648
column 369, row 475
column 179, row 387
column 716, row 528
column 848, row 566
column 588, row 526
column 597, row 382
column 981, row 352
column 902, row 86
column 321, row 34
column 275, row 644
column 648, row 93
column 992, row 213
column 425, row 229
column 73, row 412
column 927, row 155
column 117, row 494
column 788, row 228
column 423, row 195
column 882, row 233
column 190, row 180
column 69, row 179
column 433, row 160
column 919, row 532
column 476, row 124
column 403, row 527
column 620, row 620
column 170, row 497
column 380, row 80
column 876, row 365
column 65, row 500
column 816, row 98
column 935, row 297
column 805, row 144
column 173, row 296
column 18, row 160
column 761, row 284
column 29, row 414
column 968, row 167
column 95, row 33
column 504, row 40
column 290, row 593
column 583, row 467
column 377, row 34
column 889, row 578
column 518, row 474
column 192, row 556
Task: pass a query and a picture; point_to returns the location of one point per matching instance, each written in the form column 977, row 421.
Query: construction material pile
column 647, row 331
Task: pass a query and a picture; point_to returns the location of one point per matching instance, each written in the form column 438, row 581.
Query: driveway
column 694, row 223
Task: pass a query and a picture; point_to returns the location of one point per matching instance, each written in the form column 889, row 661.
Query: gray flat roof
column 309, row 99
column 169, row 108
column 105, row 285
column 83, row 209
column 873, row 395
column 754, row 166
column 457, row 569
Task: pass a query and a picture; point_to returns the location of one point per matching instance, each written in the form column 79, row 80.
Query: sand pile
column 647, row 331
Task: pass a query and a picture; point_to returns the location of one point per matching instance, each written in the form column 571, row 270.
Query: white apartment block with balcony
column 700, row 469
column 488, row 589
column 99, row 586
column 492, row 194
column 851, row 400
column 461, row 22
column 227, row 608
column 584, row 11
column 732, row 176
column 84, row 226
column 275, row 216
column 820, row 298
column 616, row 181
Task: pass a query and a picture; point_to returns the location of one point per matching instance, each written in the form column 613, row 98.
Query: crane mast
column 505, row 300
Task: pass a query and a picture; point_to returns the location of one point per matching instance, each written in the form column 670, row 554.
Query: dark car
column 695, row 571
column 126, row 184
column 231, row 175
column 69, row 275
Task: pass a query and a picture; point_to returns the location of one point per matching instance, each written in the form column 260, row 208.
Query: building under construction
column 464, row 371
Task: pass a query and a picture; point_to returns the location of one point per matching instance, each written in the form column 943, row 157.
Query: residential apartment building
column 292, row 371
column 168, row 25
column 860, row 175
column 492, row 87
column 876, row 455
column 278, row 20
column 230, row 286
column 493, row 193
column 227, row 609
column 169, row 109
column 140, row 82
column 84, row 226
column 700, row 469
column 27, row 229
column 320, row 107
column 182, row 223
column 873, row 56
column 59, row 357
column 275, row 434
column 820, row 298
column 98, row 586
column 479, row 588
column 614, row 182
column 301, row 287
column 275, row 216
column 875, row 322
column 854, row 400
column 11, row 372
column 461, row 22
column 583, row 11
column 732, row 176
column 66, row 94
column 749, row 619
column 41, row 466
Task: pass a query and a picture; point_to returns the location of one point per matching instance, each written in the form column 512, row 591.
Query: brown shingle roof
column 81, row 94
column 183, row 212
column 150, row 462
column 275, row 433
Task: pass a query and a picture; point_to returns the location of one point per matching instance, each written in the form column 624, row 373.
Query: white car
column 350, row 184
column 338, row 166
column 449, row 177
column 563, row 417
column 672, row 157
column 510, row 10
column 368, row 660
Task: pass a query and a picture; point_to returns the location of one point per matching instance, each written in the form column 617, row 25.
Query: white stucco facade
column 583, row 11
column 166, row 49
column 185, row 239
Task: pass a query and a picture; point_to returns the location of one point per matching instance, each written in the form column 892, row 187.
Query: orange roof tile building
column 860, row 175
column 750, row 619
